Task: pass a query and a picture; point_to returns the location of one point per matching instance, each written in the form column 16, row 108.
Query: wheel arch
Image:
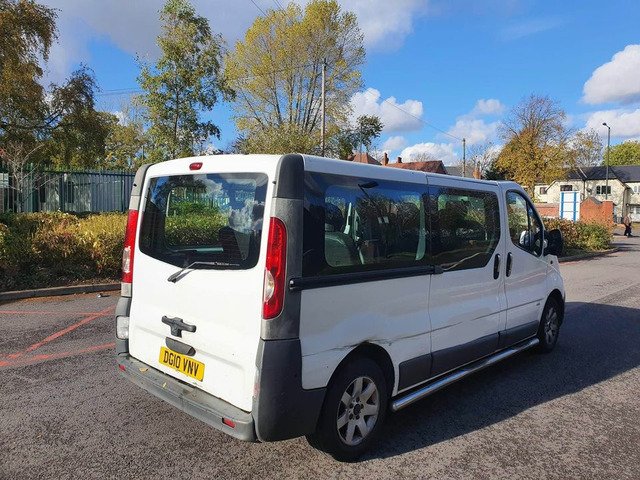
column 376, row 353
column 557, row 296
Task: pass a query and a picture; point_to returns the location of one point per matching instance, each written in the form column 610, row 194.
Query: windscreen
column 212, row 219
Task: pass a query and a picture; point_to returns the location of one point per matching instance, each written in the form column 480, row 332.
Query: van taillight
column 129, row 246
column 274, row 273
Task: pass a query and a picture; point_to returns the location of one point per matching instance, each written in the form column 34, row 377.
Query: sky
column 436, row 71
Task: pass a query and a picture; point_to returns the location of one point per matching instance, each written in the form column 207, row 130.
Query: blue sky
column 457, row 65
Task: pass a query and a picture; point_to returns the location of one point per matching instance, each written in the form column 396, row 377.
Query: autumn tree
column 586, row 148
column 480, row 157
column 625, row 153
column 362, row 134
column 536, row 142
column 184, row 82
column 276, row 71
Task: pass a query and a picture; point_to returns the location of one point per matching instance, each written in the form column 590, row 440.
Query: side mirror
column 554, row 242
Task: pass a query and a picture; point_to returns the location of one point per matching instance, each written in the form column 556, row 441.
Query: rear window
column 214, row 219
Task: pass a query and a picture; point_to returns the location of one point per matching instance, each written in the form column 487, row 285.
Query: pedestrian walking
column 627, row 225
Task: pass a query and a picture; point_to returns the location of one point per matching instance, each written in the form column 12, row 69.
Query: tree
column 586, row 148
column 28, row 31
column 366, row 130
column 625, row 153
column 536, row 142
column 185, row 81
column 276, row 71
column 480, row 157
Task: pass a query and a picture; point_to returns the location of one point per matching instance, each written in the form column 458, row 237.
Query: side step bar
column 456, row 375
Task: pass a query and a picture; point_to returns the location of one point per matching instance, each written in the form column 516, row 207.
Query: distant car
column 274, row 297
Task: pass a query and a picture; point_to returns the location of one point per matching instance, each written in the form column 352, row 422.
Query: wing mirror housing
column 554, row 242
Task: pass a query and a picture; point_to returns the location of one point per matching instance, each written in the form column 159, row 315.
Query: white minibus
column 279, row 296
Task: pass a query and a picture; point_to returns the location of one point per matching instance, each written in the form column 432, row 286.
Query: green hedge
column 581, row 235
column 46, row 249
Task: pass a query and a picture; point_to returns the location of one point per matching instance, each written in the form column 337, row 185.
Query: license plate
column 187, row 365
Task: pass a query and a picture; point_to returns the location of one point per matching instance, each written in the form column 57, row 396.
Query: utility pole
column 606, row 175
column 322, row 123
column 464, row 157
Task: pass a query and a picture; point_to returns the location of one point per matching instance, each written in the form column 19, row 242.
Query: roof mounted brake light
column 195, row 166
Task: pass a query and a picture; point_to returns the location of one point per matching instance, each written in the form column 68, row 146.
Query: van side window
column 354, row 224
column 525, row 228
column 465, row 227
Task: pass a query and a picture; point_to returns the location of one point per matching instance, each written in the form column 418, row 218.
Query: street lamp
column 606, row 175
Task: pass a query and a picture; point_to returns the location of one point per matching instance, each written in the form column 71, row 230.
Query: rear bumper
column 195, row 402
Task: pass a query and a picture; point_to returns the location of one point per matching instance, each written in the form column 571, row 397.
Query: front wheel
column 353, row 411
column 549, row 326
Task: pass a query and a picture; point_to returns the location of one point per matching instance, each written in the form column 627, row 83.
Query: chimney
column 385, row 159
column 399, row 159
column 476, row 173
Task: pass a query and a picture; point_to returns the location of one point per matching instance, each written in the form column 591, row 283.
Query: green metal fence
column 66, row 190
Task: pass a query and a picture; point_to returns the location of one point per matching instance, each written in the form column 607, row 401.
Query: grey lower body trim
column 283, row 409
column 430, row 388
column 413, row 371
column 511, row 336
column 197, row 403
column 450, row 358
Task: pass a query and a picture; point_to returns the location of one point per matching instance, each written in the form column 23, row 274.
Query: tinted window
column 465, row 225
column 214, row 218
column 525, row 228
column 357, row 224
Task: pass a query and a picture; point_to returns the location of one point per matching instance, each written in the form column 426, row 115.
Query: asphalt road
column 575, row 413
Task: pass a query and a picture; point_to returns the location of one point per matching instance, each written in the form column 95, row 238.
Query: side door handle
column 509, row 263
column 496, row 266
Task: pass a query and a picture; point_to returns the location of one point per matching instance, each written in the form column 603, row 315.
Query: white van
column 274, row 297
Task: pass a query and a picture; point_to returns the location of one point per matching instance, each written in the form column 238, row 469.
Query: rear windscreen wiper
column 174, row 277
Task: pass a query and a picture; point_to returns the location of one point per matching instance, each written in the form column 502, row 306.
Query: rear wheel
column 549, row 326
column 353, row 411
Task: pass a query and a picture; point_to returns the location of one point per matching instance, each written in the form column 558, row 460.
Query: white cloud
column 624, row 123
column 396, row 117
column 530, row 27
column 475, row 129
column 133, row 26
column 617, row 80
column 394, row 143
column 436, row 151
column 490, row 106
column 385, row 23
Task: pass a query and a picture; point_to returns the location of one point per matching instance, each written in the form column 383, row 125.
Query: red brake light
column 274, row 273
column 229, row 423
column 129, row 246
column 195, row 166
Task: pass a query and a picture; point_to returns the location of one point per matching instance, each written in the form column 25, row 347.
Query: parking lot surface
column 575, row 413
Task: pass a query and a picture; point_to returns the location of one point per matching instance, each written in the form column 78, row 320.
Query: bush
column 581, row 235
column 44, row 249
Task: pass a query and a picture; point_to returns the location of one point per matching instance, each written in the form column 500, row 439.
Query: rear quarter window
column 215, row 219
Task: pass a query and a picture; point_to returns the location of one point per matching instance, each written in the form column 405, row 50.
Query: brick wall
column 593, row 210
column 548, row 209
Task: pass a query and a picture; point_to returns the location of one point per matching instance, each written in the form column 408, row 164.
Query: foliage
column 586, row 148
column 276, row 71
column 194, row 229
column 184, row 82
column 625, row 153
column 581, row 235
column 535, row 142
column 43, row 249
column 28, row 31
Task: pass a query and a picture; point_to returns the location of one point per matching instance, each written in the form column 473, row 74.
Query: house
column 623, row 188
column 363, row 158
column 430, row 166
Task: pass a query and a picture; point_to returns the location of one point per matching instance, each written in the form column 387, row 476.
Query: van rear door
column 197, row 275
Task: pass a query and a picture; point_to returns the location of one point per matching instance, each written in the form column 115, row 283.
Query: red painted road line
column 60, row 333
column 45, row 357
column 41, row 312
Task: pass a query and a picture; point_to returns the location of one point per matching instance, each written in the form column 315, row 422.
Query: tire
column 549, row 328
column 353, row 412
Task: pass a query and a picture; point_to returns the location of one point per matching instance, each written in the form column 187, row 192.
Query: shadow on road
column 597, row 342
